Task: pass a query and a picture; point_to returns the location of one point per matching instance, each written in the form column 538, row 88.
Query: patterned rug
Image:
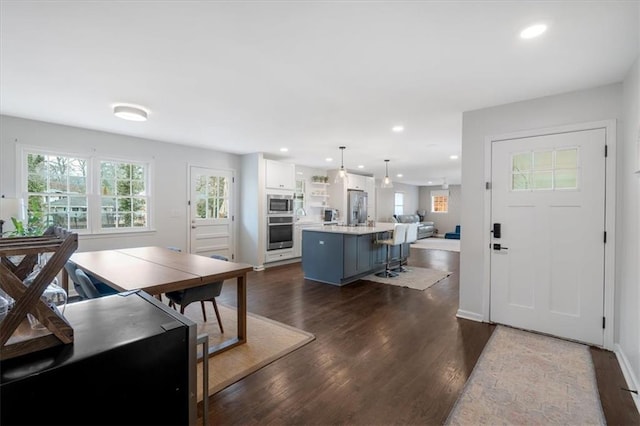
column 525, row 378
column 415, row 278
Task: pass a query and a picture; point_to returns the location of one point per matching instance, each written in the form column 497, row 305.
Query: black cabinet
column 133, row 361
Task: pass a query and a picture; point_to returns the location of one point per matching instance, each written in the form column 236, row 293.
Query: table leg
column 242, row 308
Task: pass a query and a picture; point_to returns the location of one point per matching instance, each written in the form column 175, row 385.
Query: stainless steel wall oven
column 279, row 232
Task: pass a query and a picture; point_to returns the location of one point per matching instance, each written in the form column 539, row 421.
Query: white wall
column 628, row 220
column 385, row 199
column 170, row 173
column 444, row 222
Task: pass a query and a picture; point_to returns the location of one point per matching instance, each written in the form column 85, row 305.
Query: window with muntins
column 398, row 203
column 89, row 195
column 545, row 170
column 440, row 201
column 123, row 189
column 56, row 192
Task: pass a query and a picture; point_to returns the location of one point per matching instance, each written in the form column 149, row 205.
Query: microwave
column 279, row 204
column 330, row 215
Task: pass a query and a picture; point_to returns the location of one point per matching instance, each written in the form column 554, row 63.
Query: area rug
column 437, row 244
column 415, row 278
column 524, row 378
column 267, row 341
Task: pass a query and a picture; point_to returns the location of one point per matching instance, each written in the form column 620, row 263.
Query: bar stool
column 412, row 236
column 398, row 238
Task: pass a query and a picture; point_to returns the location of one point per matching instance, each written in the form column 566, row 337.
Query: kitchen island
column 339, row 255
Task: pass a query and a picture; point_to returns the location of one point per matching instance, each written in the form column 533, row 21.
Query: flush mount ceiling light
column 328, row 159
column 284, row 149
column 361, row 166
column 453, row 157
column 386, row 182
column 398, row 129
column 342, row 173
column 399, row 175
column 533, row 31
column 130, row 113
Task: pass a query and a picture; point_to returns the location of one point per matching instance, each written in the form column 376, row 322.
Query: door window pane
column 550, row 170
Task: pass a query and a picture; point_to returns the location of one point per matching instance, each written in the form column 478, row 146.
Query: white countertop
column 353, row 230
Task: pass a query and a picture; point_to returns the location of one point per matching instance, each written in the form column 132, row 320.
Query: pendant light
column 386, row 182
column 342, row 173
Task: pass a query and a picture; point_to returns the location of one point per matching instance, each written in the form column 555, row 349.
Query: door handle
column 498, row 246
column 497, row 228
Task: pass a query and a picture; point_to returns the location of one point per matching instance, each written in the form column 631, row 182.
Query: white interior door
column 548, row 195
column 211, row 215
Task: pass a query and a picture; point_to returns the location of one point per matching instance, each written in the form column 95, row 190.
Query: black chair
column 87, row 290
column 203, row 293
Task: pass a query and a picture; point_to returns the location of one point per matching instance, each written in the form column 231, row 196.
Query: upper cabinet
column 356, row 182
column 280, row 175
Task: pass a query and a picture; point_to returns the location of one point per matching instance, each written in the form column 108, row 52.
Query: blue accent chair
column 453, row 235
column 87, row 286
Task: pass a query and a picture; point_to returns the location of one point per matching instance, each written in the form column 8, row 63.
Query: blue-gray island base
column 340, row 255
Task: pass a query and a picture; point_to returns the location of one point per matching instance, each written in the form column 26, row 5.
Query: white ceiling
column 256, row 76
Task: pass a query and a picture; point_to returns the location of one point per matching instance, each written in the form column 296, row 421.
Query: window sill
column 116, row 234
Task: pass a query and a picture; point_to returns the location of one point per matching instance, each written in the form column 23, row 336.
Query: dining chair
column 204, row 293
column 412, row 236
column 96, row 288
column 397, row 239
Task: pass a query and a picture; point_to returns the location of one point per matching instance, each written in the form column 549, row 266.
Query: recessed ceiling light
column 284, row 149
column 430, row 182
column 453, row 157
column 129, row 112
column 328, row 159
column 361, row 166
column 399, row 175
column 398, row 129
column 533, row 31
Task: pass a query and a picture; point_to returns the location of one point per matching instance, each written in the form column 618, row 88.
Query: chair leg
column 215, row 307
column 204, row 315
column 400, row 268
column 387, row 273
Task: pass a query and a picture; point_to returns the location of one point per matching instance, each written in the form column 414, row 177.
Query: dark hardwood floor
column 382, row 355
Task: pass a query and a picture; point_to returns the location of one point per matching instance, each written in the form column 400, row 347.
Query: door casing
column 610, row 214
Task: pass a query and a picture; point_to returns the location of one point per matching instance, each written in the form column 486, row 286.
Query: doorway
column 210, row 212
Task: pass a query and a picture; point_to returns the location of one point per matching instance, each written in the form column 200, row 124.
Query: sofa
column 453, row 235
column 425, row 229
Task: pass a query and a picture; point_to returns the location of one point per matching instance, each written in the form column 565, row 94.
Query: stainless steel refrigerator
column 356, row 207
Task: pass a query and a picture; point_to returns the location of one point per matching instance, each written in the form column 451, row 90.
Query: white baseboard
column 627, row 372
column 473, row 316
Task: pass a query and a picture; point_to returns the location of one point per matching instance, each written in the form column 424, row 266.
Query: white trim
column 473, row 316
column 627, row 372
column 610, row 213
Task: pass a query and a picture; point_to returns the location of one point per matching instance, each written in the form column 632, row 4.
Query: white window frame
column 439, row 193
column 93, row 194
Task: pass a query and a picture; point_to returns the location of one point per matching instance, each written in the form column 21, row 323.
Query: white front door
column 211, row 216
column 548, row 195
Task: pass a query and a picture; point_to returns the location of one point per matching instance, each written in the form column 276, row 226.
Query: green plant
column 34, row 227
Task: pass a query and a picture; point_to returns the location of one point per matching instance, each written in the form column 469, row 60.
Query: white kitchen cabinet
column 356, row 182
column 280, row 175
column 297, row 236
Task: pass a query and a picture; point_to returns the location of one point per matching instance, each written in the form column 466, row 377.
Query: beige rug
column 416, row 278
column 525, row 378
column 267, row 340
column 437, row 244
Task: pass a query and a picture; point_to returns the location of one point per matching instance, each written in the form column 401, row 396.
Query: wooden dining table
column 158, row 270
